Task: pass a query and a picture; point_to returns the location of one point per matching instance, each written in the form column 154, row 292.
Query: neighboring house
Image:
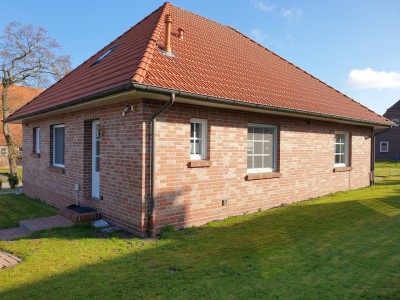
column 387, row 142
column 17, row 97
column 236, row 129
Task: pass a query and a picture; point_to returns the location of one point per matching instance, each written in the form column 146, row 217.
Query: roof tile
column 212, row 59
column 17, row 97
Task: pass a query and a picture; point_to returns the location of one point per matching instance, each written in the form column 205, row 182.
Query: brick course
column 188, row 192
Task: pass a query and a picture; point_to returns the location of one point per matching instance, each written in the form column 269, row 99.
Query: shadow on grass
column 327, row 250
column 389, row 181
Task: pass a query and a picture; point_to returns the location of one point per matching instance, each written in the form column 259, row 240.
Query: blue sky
column 353, row 45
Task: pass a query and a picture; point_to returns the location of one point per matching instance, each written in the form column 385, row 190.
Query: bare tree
column 28, row 56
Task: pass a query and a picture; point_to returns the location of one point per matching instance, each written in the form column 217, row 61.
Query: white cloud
column 370, row 79
column 262, row 5
column 292, row 14
column 259, row 35
column 269, row 41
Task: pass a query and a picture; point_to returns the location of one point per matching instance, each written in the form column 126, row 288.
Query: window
column 105, row 54
column 341, row 149
column 58, row 145
column 3, row 151
column 36, row 140
column 198, row 139
column 18, row 152
column 261, row 148
column 384, row 146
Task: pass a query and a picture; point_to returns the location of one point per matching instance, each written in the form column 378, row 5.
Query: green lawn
column 387, row 168
column 14, row 208
column 342, row 246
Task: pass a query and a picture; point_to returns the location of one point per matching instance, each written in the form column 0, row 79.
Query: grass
column 342, row 246
column 14, row 208
column 387, row 168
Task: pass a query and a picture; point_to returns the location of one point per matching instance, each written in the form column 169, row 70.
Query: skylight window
column 106, row 54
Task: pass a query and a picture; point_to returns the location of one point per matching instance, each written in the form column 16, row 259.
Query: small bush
column 13, row 180
column 167, row 230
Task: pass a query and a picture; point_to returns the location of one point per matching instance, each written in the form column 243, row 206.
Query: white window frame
column 37, row 139
column 203, row 149
column 346, row 149
column 274, row 149
column 54, row 145
column 381, row 144
column 6, row 151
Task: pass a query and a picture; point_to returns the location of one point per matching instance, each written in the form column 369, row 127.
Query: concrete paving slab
column 8, row 260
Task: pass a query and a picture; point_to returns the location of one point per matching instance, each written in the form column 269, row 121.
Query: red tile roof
column 212, row 59
column 17, row 97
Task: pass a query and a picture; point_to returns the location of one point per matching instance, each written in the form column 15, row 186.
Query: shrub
column 13, row 180
column 167, row 230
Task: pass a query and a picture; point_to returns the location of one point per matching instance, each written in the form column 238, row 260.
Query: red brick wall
column 4, row 161
column 123, row 197
column 192, row 196
column 188, row 196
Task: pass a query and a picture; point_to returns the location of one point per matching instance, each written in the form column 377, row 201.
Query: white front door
column 96, row 159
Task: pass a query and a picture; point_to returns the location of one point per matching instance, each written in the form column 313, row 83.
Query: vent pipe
column 180, row 33
column 168, row 23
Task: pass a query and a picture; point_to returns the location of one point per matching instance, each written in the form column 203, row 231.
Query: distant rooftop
column 17, row 97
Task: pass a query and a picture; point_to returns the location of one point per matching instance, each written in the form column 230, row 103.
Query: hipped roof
column 212, row 60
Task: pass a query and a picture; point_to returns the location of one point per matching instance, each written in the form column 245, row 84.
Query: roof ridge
column 143, row 65
column 285, row 60
column 395, row 106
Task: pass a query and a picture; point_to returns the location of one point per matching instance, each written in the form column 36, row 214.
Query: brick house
column 182, row 120
column 387, row 141
column 17, row 97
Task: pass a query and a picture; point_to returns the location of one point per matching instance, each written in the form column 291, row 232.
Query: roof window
column 106, row 54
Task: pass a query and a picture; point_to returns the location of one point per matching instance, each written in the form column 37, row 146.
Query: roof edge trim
column 179, row 93
column 194, row 96
column 118, row 89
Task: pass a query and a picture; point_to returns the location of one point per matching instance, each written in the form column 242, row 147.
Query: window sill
column 56, row 170
column 342, row 169
column 35, row 155
column 199, row 164
column 266, row 175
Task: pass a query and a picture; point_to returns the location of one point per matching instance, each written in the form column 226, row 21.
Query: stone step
column 45, row 223
column 79, row 217
column 13, row 233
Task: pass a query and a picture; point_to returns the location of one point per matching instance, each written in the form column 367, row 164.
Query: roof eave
column 303, row 113
column 199, row 97
column 102, row 94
